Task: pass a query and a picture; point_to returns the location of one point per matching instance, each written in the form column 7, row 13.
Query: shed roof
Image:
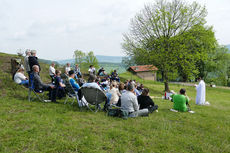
column 143, row 68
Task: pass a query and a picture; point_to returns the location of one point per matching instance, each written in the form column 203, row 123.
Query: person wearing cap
column 74, row 84
column 101, row 72
column 129, row 104
column 33, row 60
column 26, row 61
column 20, row 78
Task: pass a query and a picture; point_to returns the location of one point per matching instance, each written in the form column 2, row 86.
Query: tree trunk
column 166, row 82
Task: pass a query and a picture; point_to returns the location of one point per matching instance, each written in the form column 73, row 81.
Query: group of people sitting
column 131, row 96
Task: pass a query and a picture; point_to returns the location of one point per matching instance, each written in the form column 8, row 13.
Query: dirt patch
column 5, row 64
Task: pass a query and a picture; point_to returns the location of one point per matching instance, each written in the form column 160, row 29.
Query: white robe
column 200, row 96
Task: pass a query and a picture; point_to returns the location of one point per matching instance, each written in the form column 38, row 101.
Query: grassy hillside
column 50, row 127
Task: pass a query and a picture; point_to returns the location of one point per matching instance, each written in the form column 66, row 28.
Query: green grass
column 50, row 127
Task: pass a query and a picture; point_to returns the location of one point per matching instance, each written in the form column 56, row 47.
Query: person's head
column 130, row 87
column 145, row 92
column 52, row 64
column 115, row 71
column 71, row 74
column 182, row 91
column 114, row 84
column 91, row 66
column 58, row 72
column 92, row 78
column 121, row 86
column 68, row 64
column 21, row 69
column 199, row 78
column 33, row 52
column 35, row 68
column 28, row 52
column 76, row 65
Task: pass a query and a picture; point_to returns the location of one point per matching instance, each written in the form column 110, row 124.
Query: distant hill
column 228, row 46
column 101, row 59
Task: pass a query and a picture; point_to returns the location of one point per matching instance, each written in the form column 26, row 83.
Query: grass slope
column 48, row 127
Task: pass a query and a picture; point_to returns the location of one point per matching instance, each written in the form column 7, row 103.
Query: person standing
column 26, row 61
column 33, row 60
column 200, row 95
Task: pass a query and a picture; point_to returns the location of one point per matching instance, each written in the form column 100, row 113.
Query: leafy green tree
column 79, row 57
column 90, row 59
column 160, row 35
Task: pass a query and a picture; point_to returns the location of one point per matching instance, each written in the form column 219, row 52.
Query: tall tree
column 79, row 57
column 159, row 35
column 91, row 59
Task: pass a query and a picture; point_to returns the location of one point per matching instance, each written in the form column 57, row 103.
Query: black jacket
column 145, row 101
column 33, row 60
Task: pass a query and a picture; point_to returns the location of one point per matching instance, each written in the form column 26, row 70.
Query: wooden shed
column 146, row 72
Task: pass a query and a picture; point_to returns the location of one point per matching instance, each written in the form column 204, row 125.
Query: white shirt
column 129, row 102
column 18, row 77
column 52, row 70
column 91, row 70
column 92, row 85
column 67, row 69
column 115, row 95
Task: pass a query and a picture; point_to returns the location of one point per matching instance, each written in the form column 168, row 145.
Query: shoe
column 192, row 112
column 157, row 111
column 47, row 101
column 173, row 110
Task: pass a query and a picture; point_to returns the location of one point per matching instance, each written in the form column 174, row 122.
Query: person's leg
column 25, row 82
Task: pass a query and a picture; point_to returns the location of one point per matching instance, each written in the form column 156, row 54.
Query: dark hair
column 57, row 71
column 71, row 72
column 182, row 91
column 145, row 91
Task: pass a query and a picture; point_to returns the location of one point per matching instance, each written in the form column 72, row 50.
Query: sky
column 56, row 28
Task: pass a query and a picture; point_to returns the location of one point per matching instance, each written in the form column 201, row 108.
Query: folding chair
column 32, row 89
column 70, row 93
column 93, row 96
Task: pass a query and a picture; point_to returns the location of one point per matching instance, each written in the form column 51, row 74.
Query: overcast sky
column 55, row 28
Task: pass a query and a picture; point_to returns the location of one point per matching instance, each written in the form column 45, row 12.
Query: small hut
column 146, row 72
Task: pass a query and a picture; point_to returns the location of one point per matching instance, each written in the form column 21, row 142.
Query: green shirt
column 179, row 102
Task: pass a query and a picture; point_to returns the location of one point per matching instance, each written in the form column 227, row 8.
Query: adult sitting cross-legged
column 129, row 104
column 146, row 102
column 180, row 102
column 39, row 85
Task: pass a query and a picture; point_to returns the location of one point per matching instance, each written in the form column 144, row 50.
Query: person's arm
column 74, row 84
column 135, row 103
column 150, row 101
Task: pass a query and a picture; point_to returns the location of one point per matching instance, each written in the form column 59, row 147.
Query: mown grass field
column 50, row 127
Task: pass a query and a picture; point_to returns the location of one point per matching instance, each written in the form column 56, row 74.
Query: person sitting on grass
column 74, row 84
column 20, row 78
column 115, row 94
column 146, row 102
column 180, row 102
column 129, row 104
